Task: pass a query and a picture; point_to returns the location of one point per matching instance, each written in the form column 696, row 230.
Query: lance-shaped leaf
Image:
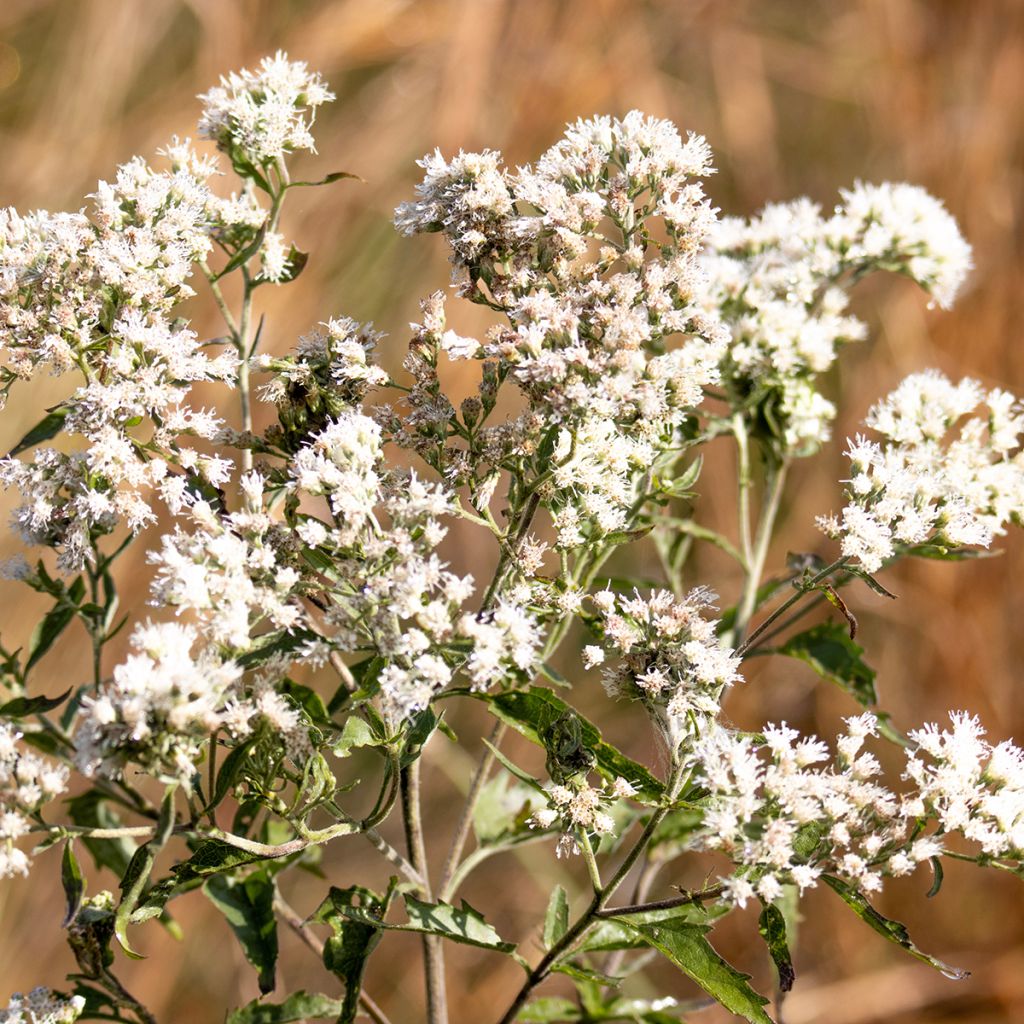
column 49, row 426
column 772, row 928
column 73, row 883
column 354, row 915
column 533, row 712
column 685, row 946
column 22, row 707
column 248, row 905
column 556, row 920
column 54, row 622
column 137, row 874
column 297, row 1007
column 894, row 931
column 828, row 649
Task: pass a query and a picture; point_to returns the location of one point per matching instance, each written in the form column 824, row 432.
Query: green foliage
column 534, row 711
column 299, row 1006
column 828, row 649
column 248, row 905
column 684, row 944
column 894, row 931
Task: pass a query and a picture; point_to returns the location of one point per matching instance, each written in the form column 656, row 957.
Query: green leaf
column 137, row 874
column 549, row 1010
column 22, row 707
column 532, row 713
column 355, row 733
column 328, row 180
column 49, row 426
column 309, row 700
column 244, row 254
column 297, row 1007
column 269, row 645
column 53, row 623
column 556, row 920
column 464, row 925
column 685, row 946
column 354, row 915
column 366, row 674
column 248, row 905
column 73, row 883
column 894, row 931
column 834, row 656
column 229, row 771
column 771, row 926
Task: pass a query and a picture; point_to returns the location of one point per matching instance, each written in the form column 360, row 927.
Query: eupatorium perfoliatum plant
column 301, row 604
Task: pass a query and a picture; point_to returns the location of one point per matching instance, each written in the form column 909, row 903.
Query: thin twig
column 483, row 769
column 433, row 951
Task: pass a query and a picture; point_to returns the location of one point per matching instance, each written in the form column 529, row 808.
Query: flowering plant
column 303, row 610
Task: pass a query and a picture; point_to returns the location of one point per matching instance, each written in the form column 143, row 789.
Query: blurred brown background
column 796, row 97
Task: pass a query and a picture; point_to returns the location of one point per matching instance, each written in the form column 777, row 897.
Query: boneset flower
column 302, row 601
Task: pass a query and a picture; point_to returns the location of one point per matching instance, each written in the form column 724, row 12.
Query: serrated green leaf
column 556, row 919
column 464, row 925
column 685, row 945
column 532, row 713
column 894, row 931
column 771, row 926
column 354, row 915
column 828, row 649
column 549, row 1010
column 297, row 1007
column 248, row 906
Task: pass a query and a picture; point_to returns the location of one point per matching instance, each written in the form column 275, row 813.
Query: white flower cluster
column 591, row 254
column 42, row 1006
column 228, row 571
column 331, row 364
column 670, row 656
column 97, row 296
column 579, row 807
column 259, row 116
column 970, row 786
column 162, row 705
column 784, row 812
column 27, row 781
column 398, row 599
column 780, row 281
column 505, row 643
column 342, row 462
column 949, row 470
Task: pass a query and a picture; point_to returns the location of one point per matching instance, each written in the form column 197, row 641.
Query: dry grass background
column 795, row 96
